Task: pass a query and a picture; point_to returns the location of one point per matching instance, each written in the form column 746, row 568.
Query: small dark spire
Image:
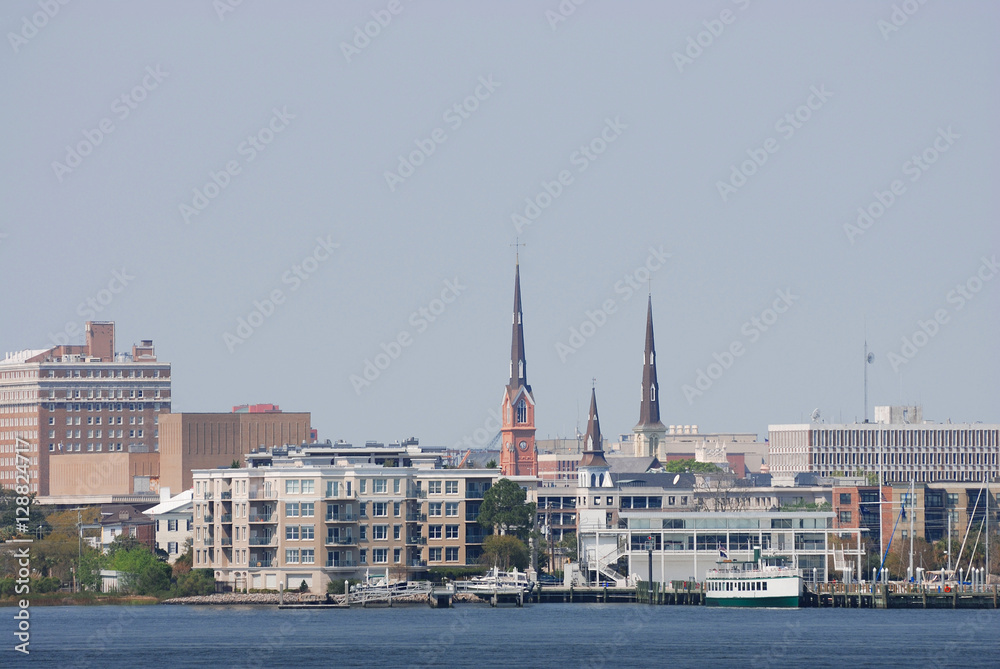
column 649, row 408
column 518, row 366
column 593, row 444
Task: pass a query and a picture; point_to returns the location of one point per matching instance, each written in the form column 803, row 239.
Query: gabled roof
column 621, row 464
column 176, row 504
column 665, row 480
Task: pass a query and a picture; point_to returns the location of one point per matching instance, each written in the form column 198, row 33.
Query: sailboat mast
column 912, row 507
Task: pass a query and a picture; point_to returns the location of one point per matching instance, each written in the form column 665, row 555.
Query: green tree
column 142, row 573
column 36, row 523
column 568, row 546
column 504, row 508
column 492, row 464
column 504, row 552
column 690, row 465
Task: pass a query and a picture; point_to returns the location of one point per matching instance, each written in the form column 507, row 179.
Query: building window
column 363, row 532
column 172, row 547
column 292, row 532
column 433, row 531
column 434, row 554
column 308, row 487
column 451, row 509
column 395, row 509
column 451, row 487
column 434, row 508
column 172, row 525
column 291, row 509
column 380, row 532
column 451, row 554
column 395, row 487
column 451, row 532
column 845, row 498
column 308, row 509
column 379, row 487
column 380, row 509
column 433, row 487
column 396, row 555
column 291, row 556
column 522, row 412
column 363, row 486
column 363, row 556
column 397, row 532
column 291, row 487
column 308, row 556
column 845, row 517
column 380, row 555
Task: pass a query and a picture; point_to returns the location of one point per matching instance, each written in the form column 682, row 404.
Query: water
column 473, row 635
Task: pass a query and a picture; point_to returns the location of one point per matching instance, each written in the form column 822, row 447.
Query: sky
column 317, row 204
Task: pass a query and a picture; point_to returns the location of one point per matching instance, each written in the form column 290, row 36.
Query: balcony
column 254, row 563
column 417, row 493
column 209, row 517
column 421, row 541
column 475, row 491
column 472, row 517
column 418, row 563
column 340, row 541
column 341, row 518
column 208, row 540
column 207, row 495
column 226, row 495
column 226, row 517
column 263, row 541
column 334, row 564
column 416, row 517
column 263, row 494
column 475, row 538
column 262, row 517
column 227, row 541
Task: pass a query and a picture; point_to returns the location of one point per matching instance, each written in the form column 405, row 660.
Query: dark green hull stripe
column 769, row 602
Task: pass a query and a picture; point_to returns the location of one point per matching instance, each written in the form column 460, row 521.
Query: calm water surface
column 470, row 635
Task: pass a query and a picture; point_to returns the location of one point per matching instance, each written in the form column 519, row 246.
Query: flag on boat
column 722, row 553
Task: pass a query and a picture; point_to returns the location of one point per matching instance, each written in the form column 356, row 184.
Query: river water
column 474, row 635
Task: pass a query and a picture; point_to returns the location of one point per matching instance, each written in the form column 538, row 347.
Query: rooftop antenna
column 869, row 359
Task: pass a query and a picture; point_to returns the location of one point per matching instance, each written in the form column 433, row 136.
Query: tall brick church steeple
column 649, row 431
column 518, row 456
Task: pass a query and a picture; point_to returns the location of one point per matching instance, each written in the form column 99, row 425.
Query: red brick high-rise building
column 82, row 419
column 518, row 455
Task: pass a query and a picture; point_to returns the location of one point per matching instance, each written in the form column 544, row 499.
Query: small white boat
column 753, row 583
column 495, row 579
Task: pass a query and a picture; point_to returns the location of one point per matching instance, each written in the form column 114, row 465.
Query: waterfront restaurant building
column 687, row 544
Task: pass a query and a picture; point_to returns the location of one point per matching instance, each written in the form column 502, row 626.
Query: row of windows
column 107, row 374
column 103, row 406
column 93, row 447
column 740, row 586
column 91, row 434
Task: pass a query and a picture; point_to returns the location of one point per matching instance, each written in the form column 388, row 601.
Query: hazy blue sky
column 642, row 110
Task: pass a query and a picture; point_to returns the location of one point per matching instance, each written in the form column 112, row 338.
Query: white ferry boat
column 753, row 583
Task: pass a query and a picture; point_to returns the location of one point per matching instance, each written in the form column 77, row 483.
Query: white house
column 174, row 518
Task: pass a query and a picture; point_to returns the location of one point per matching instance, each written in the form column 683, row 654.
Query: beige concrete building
column 300, row 518
column 190, row 441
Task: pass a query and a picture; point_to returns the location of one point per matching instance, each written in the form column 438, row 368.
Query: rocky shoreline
column 271, row 599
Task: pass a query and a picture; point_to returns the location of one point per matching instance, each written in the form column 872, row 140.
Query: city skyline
column 798, row 164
